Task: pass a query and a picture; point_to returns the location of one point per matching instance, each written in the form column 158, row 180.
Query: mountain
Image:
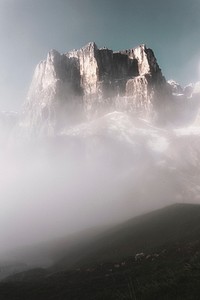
column 87, row 83
column 175, row 87
column 154, row 256
column 106, row 139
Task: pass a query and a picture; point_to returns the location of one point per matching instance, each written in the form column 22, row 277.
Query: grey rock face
column 49, row 102
column 89, row 82
column 175, row 87
column 185, row 102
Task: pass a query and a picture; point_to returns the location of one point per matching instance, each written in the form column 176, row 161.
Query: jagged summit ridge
column 89, row 82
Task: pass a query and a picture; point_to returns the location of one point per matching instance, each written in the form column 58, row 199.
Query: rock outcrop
column 89, row 82
column 176, row 88
column 185, row 104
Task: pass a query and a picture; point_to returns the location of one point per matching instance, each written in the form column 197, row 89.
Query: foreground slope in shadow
column 154, row 256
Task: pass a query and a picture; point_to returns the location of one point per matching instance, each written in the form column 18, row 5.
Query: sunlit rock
column 87, row 83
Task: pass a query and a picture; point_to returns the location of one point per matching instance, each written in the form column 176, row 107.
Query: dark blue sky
column 30, row 28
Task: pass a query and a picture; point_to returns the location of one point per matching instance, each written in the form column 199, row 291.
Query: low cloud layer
column 94, row 174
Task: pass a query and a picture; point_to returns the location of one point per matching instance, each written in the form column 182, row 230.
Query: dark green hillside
column 106, row 267
column 150, row 232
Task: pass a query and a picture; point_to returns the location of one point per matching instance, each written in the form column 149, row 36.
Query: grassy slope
column 173, row 233
column 142, row 234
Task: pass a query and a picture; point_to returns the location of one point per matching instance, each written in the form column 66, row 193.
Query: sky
column 30, row 28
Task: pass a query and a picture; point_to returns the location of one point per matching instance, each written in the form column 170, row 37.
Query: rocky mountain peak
column 89, row 82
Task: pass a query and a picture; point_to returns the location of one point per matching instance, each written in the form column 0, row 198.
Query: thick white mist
column 93, row 174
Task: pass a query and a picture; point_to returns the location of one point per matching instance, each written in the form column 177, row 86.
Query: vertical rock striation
column 89, row 82
column 49, row 103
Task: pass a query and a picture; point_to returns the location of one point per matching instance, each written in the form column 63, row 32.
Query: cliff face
column 49, row 101
column 125, row 80
column 89, row 82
